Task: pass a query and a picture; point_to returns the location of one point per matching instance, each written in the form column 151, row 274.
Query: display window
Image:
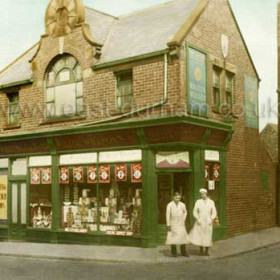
column 40, row 197
column 78, row 197
column 101, row 197
column 40, row 192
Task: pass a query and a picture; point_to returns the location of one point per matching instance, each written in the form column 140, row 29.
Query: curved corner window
column 64, row 88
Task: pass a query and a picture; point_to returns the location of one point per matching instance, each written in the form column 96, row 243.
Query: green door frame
column 17, row 229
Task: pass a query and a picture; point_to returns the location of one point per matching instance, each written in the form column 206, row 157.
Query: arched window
column 64, row 88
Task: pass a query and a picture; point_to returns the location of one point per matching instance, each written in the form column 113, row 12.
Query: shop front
column 108, row 187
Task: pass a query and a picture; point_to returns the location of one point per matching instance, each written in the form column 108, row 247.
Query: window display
column 102, row 198
column 3, row 196
column 40, row 197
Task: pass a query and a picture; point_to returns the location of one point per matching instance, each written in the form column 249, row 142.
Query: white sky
column 22, row 23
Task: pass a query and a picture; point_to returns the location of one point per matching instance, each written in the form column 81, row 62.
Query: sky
column 22, row 23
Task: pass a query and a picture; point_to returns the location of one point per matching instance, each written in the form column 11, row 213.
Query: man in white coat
column 204, row 213
column 176, row 214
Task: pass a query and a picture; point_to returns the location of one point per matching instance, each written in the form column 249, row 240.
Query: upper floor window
column 124, row 90
column 229, row 89
column 216, row 87
column 13, row 108
column 64, row 88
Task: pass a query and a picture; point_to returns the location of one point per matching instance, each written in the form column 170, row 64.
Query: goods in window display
column 104, row 173
column 67, row 195
column 35, row 176
column 121, row 172
column 46, row 175
column 91, row 174
column 75, row 195
column 78, row 174
column 70, row 218
column 41, row 220
column 64, row 175
column 216, row 172
column 104, row 214
column 207, row 167
column 136, row 172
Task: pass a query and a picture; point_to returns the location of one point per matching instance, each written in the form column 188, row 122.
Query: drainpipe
column 278, row 92
column 162, row 102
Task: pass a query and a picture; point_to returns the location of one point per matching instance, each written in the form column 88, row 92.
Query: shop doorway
column 168, row 183
column 17, row 229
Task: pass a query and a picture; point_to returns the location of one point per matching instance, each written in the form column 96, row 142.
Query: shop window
column 64, row 88
column 101, row 197
column 40, row 198
column 3, row 196
column 124, row 92
column 13, row 108
column 78, row 158
column 216, row 91
column 172, row 160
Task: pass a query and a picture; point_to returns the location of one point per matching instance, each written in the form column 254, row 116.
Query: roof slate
column 20, row 69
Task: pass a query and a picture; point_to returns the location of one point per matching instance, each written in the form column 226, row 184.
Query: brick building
column 107, row 116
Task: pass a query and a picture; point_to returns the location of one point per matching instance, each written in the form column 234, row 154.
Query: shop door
column 168, row 183
column 18, row 210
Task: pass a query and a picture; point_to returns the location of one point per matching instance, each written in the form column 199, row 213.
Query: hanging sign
column 206, row 176
column 64, row 175
column 46, row 175
column 211, row 185
column 35, row 176
column 92, row 174
column 104, row 173
column 216, row 172
column 78, row 174
column 136, row 172
column 121, row 172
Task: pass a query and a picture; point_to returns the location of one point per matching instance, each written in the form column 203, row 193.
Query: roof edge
column 19, row 83
column 129, row 59
column 188, row 24
column 243, row 40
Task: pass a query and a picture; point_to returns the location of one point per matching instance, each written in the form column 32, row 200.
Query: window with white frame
column 64, row 88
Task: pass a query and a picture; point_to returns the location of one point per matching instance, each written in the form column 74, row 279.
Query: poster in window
column 78, row 174
column 64, row 175
column 104, row 173
column 35, row 176
column 197, row 88
column 216, row 172
column 136, row 172
column 92, row 174
column 121, row 172
column 46, row 175
column 207, row 168
column 3, row 198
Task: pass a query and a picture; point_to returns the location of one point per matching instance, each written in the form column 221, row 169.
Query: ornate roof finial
column 63, row 15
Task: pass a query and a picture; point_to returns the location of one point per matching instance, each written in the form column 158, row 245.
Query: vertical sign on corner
column 251, row 102
column 197, row 87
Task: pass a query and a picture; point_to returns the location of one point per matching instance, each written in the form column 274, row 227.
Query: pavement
column 221, row 249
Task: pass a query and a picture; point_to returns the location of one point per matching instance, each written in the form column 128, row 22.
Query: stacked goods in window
column 75, row 195
column 136, row 223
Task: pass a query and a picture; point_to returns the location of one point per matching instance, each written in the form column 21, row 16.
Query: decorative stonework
column 63, row 15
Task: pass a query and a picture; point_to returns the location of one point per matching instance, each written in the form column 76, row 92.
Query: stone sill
column 11, row 126
column 64, row 119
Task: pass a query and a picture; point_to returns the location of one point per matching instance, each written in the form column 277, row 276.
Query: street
column 262, row 264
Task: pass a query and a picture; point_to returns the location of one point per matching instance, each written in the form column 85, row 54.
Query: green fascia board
column 117, row 126
column 129, row 59
column 19, row 83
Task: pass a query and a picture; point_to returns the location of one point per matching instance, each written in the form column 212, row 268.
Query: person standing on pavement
column 204, row 213
column 176, row 214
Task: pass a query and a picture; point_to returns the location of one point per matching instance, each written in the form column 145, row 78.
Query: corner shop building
column 76, row 178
